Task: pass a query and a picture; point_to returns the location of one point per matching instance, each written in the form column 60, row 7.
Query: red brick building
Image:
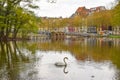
column 97, row 9
column 84, row 12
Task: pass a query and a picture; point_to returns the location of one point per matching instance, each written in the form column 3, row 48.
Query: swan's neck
column 65, row 62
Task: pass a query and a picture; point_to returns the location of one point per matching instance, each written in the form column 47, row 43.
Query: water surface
column 88, row 59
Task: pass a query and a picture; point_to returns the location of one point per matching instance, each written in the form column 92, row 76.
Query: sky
column 65, row 8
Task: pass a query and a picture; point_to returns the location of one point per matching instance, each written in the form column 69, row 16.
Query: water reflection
column 89, row 59
column 78, row 70
column 12, row 61
column 64, row 70
column 61, row 64
column 8, row 53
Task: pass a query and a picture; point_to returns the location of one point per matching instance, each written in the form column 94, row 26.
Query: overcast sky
column 66, row 8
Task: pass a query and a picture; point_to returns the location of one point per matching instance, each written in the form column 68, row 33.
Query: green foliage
column 14, row 18
column 33, row 6
column 98, row 19
column 116, row 14
column 53, row 22
column 77, row 21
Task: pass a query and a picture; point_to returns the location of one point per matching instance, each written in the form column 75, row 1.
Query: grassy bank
column 114, row 36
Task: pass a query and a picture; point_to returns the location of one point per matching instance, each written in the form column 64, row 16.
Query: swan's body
column 60, row 64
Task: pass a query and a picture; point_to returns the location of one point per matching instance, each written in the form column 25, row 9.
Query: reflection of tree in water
column 117, row 75
column 110, row 43
column 10, row 54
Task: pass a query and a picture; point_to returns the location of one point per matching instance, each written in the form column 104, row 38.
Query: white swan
column 61, row 64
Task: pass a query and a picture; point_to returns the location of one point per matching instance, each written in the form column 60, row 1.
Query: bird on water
column 61, row 64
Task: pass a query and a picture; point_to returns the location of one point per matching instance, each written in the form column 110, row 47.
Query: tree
column 14, row 17
column 77, row 21
column 116, row 14
column 98, row 19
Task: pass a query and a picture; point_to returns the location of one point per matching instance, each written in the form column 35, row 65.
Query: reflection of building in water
column 91, row 41
column 116, row 42
column 94, row 41
column 109, row 42
column 57, row 36
column 74, row 40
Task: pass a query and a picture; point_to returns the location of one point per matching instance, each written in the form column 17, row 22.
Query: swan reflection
column 61, row 64
column 64, row 70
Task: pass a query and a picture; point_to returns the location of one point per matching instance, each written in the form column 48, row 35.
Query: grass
column 114, row 36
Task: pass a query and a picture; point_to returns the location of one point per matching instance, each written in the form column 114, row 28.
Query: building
column 96, row 9
column 91, row 30
column 84, row 12
column 116, row 30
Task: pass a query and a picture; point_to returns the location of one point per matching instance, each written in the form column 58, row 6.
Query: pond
column 88, row 59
